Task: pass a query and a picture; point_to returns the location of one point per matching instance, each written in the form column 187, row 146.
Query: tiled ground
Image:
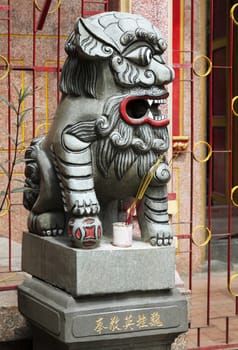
column 12, row 324
column 14, row 250
column 219, row 311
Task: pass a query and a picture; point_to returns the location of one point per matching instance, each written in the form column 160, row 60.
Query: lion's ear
column 91, row 42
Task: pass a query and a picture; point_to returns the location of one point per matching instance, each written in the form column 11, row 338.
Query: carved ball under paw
column 85, row 232
column 162, row 238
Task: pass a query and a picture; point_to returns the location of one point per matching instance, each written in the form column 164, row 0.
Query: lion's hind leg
column 47, row 224
column 42, row 195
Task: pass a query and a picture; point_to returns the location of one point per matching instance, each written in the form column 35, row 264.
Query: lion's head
column 129, row 49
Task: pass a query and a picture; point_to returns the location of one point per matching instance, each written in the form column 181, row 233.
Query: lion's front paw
column 88, row 207
column 85, row 232
column 163, row 236
column 83, row 204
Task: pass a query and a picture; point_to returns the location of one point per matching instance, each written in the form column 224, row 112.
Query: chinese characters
column 129, row 322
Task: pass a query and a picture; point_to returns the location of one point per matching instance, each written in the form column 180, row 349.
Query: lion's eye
column 142, row 56
column 159, row 59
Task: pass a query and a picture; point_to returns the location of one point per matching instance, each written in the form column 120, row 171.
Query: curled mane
column 77, row 76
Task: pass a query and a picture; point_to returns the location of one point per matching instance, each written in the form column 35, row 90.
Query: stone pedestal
column 107, row 298
column 104, row 270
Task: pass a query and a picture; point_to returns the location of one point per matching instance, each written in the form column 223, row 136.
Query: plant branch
column 22, row 94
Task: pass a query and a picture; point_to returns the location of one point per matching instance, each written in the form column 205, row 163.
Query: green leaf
column 23, row 189
column 16, row 89
column 27, row 92
column 23, row 116
column 23, row 160
column 11, row 138
column 10, row 104
column 19, row 189
column 22, row 93
column 4, row 170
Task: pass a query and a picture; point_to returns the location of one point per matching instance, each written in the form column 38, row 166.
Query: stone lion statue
column 109, row 130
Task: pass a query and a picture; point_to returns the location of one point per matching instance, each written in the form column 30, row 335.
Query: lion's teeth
column 156, row 101
column 150, row 115
column 162, row 101
column 160, row 117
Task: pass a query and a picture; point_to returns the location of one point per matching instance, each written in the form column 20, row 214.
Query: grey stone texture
column 109, row 133
column 107, row 269
column 46, row 342
column 146, row 320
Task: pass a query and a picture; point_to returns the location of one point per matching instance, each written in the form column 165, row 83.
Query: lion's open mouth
column 138, row 110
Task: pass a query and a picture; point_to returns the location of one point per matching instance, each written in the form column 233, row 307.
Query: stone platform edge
column 104, row 270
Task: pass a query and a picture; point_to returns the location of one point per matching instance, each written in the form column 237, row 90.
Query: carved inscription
column 127, row 321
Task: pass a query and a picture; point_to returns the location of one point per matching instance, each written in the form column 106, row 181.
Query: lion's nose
column 164, row 74
column 168, row 76
column 172, row 73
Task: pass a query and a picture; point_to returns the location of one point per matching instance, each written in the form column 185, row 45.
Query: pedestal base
column 42, row 341
column 142, row 320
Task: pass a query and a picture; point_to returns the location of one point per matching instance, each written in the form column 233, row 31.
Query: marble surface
column 104, row 270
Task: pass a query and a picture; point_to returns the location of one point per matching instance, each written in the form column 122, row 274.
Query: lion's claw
column 162, row 238
column 47, row 224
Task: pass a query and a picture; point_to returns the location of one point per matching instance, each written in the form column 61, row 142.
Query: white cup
column 122, row 234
